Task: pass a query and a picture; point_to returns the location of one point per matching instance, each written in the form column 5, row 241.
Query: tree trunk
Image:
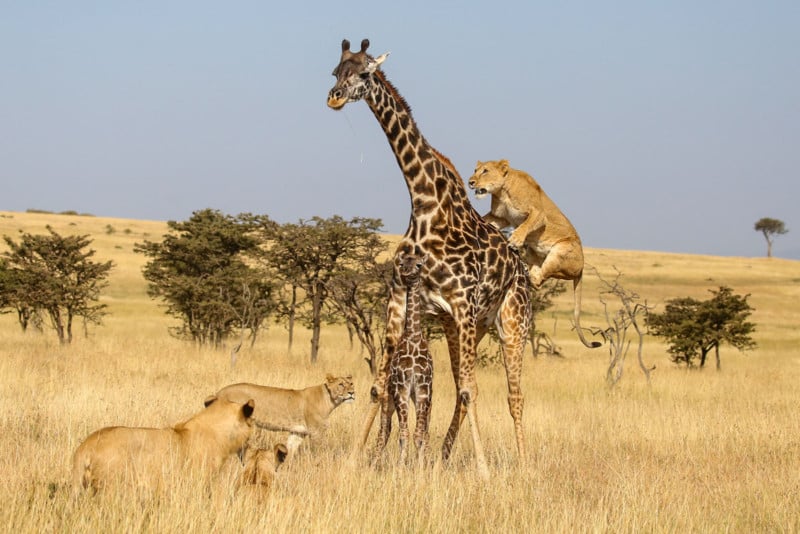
column 58, row 324
column 69, row 327
column 716, row 353
column 292, row 313
column 316, row 322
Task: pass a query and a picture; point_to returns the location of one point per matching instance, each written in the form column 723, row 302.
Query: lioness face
column 488, row 177
column 340, row 388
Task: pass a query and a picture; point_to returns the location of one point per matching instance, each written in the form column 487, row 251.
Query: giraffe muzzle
column 336, row 99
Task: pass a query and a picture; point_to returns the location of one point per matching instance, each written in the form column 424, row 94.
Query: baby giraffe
column 411, row 368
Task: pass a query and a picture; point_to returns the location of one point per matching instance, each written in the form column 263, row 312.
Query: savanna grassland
column 694, row 451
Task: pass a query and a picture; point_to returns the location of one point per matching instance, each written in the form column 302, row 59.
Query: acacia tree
column 54, row 276
column 308, row 255
column 770, row 228
column 693, row 327
column 359, row 295
column 199, row 270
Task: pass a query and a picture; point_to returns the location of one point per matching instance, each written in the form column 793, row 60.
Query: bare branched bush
column 630, row 314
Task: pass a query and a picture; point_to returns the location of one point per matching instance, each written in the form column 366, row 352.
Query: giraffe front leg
column 387, row 410
column 451, row 334
column 468, row 398
column 395, row 313
column 421, row 435
column 402, row 425
column 468, row 390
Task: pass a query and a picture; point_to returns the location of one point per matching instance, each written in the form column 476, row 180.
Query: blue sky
column 668, row 126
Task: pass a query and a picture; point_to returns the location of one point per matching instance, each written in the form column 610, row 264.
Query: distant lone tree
column 693, row 327
column 53, row 276
column 770, row 228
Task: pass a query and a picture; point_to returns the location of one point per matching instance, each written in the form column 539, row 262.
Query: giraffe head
column 353, row 75
column 409, row 266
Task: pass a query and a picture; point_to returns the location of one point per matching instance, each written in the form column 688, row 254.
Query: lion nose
column 472, row 184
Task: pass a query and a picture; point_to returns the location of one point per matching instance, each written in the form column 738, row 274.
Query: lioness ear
column 209, row 400
column 330, row 378
column 504, row 166
column 248, row 408
column 281, row 452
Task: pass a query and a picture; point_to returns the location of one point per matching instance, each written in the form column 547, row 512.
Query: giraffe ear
column 374, row 63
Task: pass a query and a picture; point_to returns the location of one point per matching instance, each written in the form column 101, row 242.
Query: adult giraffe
column 471, row 278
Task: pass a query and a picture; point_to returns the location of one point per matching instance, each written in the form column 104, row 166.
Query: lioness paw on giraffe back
column 544, row 236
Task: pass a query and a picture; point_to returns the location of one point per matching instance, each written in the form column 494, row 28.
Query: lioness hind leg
column 536, row 276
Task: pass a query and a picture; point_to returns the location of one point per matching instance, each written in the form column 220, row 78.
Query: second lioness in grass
column 547, row 240
column 301, row 412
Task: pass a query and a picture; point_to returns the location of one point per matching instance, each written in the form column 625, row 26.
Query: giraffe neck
column 433, row 183
column 412, row 325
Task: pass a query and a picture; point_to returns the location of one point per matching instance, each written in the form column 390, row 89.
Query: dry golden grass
column 695, row 451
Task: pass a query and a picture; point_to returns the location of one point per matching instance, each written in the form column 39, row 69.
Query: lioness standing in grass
column 144, row 455
column 547, row 240
column 301, row 412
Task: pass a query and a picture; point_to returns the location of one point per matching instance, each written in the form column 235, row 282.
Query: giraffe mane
column 441, row 157
column 396, row 94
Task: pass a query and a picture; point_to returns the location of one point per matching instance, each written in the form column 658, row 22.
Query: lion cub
column 301, row 412
column 260, row 466
column 545, row 237
column 144, row 455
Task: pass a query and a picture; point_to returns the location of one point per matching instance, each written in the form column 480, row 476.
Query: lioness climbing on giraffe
column 547, row 240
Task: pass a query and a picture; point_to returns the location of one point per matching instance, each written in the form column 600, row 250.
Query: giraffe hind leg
column 421, row 430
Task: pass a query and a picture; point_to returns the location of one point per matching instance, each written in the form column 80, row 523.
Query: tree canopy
column 310, row 255
column 200, row 270
column 693, row 327
column 770, row 228
column 53, row 276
